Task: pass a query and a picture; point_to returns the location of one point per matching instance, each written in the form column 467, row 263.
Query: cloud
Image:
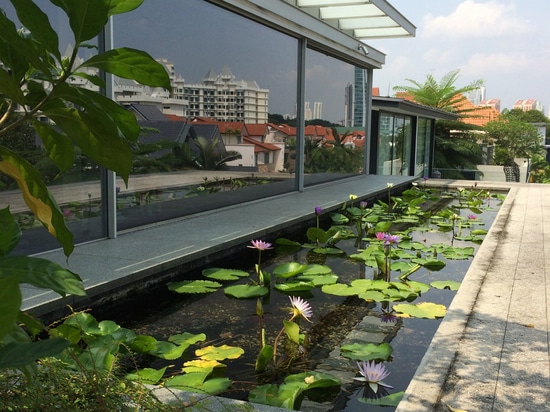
column 471, row 20
column 482, row 63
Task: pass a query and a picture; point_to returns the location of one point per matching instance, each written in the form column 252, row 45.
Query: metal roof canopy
column 336, row 28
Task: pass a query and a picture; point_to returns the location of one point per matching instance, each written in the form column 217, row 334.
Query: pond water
column 234, row 321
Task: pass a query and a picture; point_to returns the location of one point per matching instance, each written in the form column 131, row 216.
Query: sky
column 505, row 43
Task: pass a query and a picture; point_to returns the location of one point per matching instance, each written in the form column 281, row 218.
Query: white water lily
column 373, row 373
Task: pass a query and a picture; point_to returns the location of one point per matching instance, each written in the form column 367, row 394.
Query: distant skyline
column 504, row 42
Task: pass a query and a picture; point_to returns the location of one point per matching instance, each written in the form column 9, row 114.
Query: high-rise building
column 348, row 105
column 317, row 110
column 359, row 83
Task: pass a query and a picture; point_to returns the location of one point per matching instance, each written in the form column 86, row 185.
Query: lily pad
column 445, row 284
column 424, row 310
column 224, row 274
column 219, row 353
column 194, row 286
column 287, row 270
column 367, row 352
column 316, row 269
column 246, row 291
column 299, row 286
column 340, row 289
column 319, row 280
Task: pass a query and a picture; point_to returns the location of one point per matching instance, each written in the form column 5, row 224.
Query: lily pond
column 337, row 319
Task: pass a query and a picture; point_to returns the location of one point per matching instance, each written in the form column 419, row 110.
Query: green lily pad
column 424, row 310
column 287, row 270
column 388, row 400
column 246, row 291
column 340, row 289
column 224, row 274
column 194, row 286
column 458, row 253
column 367, row 352
column 299, row 286
column 319, row 280
column 445, row 284
column 147, row 375
column 316, row 269
column 196, row 382
column 219, row 353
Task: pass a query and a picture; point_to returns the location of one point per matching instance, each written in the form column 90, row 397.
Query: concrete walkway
column 491, row 352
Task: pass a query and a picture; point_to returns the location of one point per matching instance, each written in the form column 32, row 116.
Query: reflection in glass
column 209, row 142
column 333, row 148
column 394, row 149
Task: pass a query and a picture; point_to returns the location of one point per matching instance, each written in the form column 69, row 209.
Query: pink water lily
column 260, row 245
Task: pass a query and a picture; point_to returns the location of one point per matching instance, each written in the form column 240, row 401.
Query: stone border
column 425, row 389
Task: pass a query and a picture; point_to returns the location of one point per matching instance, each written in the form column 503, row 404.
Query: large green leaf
column 246, row 291
column 224, row 274
column 86, row 17
column 123, row 6
column 426, row 310
column 196, row 382
column 42, row 273
column 9, row 87
column 10, row 302
column 367, row 352
column 287, row 270
column 37, row 22
column 10, row 232
column 37, row 196
column 132, row 64
column 106, row 150
column 147, row 375
column 388, row 400
column 292, row 331
column 263, row 359
column 219, row 353
column 18, row 354
column 58, row 146
column 194, row 286
column 295, row 286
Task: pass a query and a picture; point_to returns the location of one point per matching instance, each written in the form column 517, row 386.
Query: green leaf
column 18, row 354
column 10, row 88
column 292, row 331
column 58, row 146
column 295, row 286
column 194, row 286
column 10, row 232
column 219, row 353
column 339, row 218
column 287, row 270
column 430, row 264
column 224, row 274
column 367, row 352
column 196, row 382
column 319, row 280
column 340, row 289
column 10, row 302
column 42, row 273
column 246, row 291
column 445, row 284
column 425, row 310
column 388, row 400
column 86, row 17
column 316, row 269
column 37, row 196
column 264, row 357
column 34, row 19
column 131, row 64
column 147, row 375
column 458, row 253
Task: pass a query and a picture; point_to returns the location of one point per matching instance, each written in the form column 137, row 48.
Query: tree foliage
column 513, row 138
column 35, row 80
column 442, row 94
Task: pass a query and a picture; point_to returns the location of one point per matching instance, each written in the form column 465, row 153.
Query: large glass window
column 394, row 146
column 332, row 151
column 216, row 133
column 422, row 147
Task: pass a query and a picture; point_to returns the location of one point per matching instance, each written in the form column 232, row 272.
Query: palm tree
column 441, row 94
column 454, row 150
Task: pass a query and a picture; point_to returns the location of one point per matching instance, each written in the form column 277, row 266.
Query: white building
column 224, row 98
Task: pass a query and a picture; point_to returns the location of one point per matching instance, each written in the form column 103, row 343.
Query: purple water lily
column 373, row 373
